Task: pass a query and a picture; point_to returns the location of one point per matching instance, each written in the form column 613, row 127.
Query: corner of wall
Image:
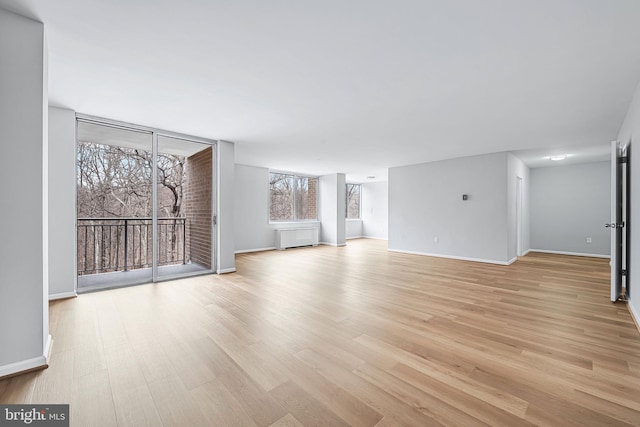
column 635, row 314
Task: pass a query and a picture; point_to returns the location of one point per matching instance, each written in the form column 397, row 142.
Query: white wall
column 24, row 316
column 62, row 203
column 425, row 203
column 517, row 169
column 225, row 207
column 630, row 133
column 353, row 228
column 375, row 210
column 253, row 232
column 332, row 192
column 569, row 204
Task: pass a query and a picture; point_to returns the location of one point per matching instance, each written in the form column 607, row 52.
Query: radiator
column 294, row 237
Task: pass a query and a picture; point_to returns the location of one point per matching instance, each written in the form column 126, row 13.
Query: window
column 306, row 198
column 292, row 197
column 353, row 201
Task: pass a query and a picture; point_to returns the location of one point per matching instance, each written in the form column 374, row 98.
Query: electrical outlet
column 589, row 240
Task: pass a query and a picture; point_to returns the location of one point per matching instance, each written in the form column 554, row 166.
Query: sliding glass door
column 144, row 205
column 184, row 203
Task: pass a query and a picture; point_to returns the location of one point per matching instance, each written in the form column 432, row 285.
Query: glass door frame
column 155, row 133
column 188, row 139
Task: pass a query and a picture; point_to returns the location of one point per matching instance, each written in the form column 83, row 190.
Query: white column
column 225, row 208
column 24, row 314
column 332, row 209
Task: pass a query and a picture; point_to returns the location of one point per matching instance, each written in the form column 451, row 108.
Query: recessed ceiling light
column 371, row 177
column 558, row 157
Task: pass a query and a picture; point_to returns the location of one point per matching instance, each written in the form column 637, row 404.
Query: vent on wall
column 296, row 237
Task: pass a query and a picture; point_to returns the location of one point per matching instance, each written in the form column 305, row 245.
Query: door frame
column 619, row 220
column 214, row 192
column 519, row 199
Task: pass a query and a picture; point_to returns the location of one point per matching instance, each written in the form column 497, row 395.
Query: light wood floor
column 348, row 336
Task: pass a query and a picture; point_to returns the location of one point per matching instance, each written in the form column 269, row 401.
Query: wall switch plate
column 436, row 239
column 589, row 240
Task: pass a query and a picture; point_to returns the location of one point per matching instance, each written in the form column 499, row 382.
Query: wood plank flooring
column 348, row 336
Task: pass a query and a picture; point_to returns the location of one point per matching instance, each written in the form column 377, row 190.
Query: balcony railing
column 120, row 244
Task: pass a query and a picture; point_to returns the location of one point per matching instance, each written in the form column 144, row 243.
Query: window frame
column 346, row 196
column 295, row 218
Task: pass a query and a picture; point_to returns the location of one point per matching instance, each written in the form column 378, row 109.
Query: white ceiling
column 542, row 157
column 349, row 86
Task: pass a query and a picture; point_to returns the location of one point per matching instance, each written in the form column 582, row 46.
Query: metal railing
column 121, row 244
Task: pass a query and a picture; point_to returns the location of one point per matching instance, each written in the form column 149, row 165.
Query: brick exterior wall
column 313, row 198
column 197, row 199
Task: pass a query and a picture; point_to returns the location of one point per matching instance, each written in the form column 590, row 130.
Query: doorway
column 519, row 196
column 144, row 201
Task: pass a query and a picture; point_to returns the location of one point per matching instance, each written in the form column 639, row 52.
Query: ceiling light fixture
column 371, row 177
column 558, row 157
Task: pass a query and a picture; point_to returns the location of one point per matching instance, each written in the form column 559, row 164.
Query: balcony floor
column 119, row 279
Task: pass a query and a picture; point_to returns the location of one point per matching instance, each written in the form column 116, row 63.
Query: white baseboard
column 244, row 251
column 226, row 270
column 512, row 260
column 634, row 314
column 526, row 252
column 22, row 366
column 63, row 295
column 461, row 258
column 333, row 244
column 366, row 237
column 29, row 364
column 544, row 251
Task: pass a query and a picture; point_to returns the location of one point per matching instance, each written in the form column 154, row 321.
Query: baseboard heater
column 296, row 237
